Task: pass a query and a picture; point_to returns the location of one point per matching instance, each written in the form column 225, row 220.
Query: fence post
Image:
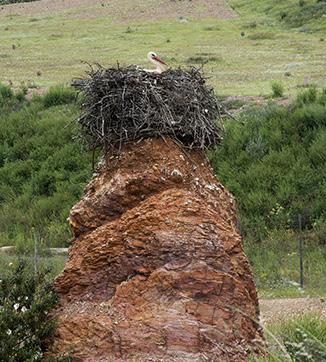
column 300, row 241
column 35, row 251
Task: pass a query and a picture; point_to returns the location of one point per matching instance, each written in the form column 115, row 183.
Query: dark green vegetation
column 299, row 340
column 42, row 169
column 307, row 15
column 25, row 299
column 277, row 89
column 273, row 160
column 305, row 339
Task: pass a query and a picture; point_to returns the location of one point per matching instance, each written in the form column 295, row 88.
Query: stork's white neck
column 159, row 66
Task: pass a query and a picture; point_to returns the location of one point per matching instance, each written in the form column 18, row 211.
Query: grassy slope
column 243, row 66
column 305, row 15
column 302, row 339
column 42, row 169
column 55, row 47
column 43, row 172
column 272, row 159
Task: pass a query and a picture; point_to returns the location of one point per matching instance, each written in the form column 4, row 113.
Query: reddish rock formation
column 156, row 270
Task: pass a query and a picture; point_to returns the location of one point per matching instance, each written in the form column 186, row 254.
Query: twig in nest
column 127, row 104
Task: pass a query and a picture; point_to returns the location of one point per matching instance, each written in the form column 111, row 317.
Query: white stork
column 156, row 60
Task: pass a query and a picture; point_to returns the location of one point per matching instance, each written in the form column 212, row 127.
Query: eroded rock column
column 156, row 270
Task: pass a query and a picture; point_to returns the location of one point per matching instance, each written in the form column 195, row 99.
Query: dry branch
column 127, row 104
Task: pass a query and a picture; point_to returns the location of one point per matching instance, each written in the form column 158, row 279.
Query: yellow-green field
column 45, row 49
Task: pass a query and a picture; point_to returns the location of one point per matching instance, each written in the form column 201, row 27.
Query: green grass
column 43, row 171
column 42, row 168
column 306, row 15
column 275, row 264
column 301, row 339
column 238, row 65
column 272, row 159
column 55, row 262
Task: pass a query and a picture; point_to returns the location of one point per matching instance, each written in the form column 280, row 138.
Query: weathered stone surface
column 156, row 270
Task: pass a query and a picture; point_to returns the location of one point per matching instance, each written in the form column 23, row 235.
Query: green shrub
column 58, row 95
column 202, row 59
column 9, row 100
column 320, row 229
column 302, row 339
column 277, row 89
column 307, row 96
column 272, row 160
column 25, row 300
column 42, row 171
column 5, row 91
column 305, row 13
column 305, row 339
column 302, row 13
column 21, row 94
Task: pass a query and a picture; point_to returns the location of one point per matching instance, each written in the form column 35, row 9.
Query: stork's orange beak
column 159, row 60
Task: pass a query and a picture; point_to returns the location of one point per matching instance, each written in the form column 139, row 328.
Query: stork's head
column 155, row 59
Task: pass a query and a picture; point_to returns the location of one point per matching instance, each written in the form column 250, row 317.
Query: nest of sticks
column 127, row 104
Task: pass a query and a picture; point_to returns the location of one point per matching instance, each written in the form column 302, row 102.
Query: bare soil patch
column 123, row 11
column 276, row 310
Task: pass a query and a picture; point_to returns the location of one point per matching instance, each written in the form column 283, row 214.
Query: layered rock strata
column 156, row 269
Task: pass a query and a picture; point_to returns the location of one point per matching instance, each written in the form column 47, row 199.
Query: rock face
column 156, row 270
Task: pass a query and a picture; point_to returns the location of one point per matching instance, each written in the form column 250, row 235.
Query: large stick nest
column 127, row 104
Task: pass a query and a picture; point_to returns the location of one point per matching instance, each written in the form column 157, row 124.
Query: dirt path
column 123, row 11
column 274, row 310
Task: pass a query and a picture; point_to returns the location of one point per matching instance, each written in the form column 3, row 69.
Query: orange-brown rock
column 156, row 270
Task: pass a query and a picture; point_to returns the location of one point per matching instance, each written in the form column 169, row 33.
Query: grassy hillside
column 301, row 339
column 42, row 170
column 273, row 160
column 306, row 15
column 242, row 53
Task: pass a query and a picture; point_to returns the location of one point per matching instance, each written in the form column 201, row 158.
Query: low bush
column 42, row 169
column 58, row 95
column 10, row 100
column 5, row 91
column 305, row 13
column 302, row 339
column 277, row 89
column 26, row 297
column 202, row 59
column 272, row 159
